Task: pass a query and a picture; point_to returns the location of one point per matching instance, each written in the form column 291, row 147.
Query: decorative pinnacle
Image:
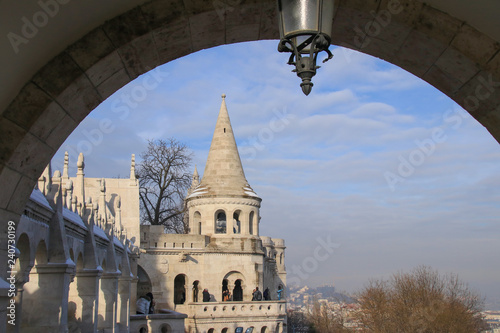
column 223, row 96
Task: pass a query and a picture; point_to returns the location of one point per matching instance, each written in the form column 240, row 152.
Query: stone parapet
column 235, row 310
column 170, row 321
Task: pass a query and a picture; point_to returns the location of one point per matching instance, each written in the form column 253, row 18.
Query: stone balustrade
column 236, row 309
column 165, row 321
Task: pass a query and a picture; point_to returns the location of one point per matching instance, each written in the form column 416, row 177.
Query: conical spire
column 195, row 181
column 224, row 172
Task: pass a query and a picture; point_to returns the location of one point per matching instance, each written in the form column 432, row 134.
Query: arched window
column 180, row 289
column 144, row 285
column 220, row 223
column 281, row 258
column 237, row 291
column 236, row 222
column 225, row 291
column 197, row 222
column 250, row 223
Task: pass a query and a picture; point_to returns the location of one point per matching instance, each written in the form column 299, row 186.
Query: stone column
column 85, row 295
column 123, row 316
column 108, row 303
column 133, row 295
column 46, row 295
column 230, row 287
column 244, row 218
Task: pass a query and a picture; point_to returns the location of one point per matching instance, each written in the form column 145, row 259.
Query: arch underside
column 446, row 52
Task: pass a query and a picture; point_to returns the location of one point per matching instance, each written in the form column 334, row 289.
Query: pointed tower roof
column 224, row 175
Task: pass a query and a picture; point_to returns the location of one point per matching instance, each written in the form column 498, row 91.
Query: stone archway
column 454, row 57
column 448, row 53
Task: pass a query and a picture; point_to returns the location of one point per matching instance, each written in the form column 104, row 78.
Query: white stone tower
column 224, row 204
column 223, row 252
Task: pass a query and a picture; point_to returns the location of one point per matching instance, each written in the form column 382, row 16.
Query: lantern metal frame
column 304, row 56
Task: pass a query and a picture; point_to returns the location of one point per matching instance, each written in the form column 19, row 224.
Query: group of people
column 145, row 304
column 257, row 295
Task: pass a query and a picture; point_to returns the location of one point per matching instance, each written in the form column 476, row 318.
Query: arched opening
column 238, row 291
column 196, row 290
column 236, row 222
column 250, row 223
column 79, row 262
column 225, row 330
column 197, row 223
column 180, row 289
column 165, row 328
column 23, row 265
column 220, row 222
column 144, row 285
column 225, row 290
column 69, row 67
column 211, row 330
column 264, row 330
column 41, row 253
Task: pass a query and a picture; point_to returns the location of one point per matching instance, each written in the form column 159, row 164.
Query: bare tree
column 419, row 301
column 163, row 182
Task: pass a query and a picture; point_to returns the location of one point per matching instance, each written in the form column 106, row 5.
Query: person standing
column 256, row 295
column 267, row 296
column 152, row 303
column 279, row 294
column 206, row 295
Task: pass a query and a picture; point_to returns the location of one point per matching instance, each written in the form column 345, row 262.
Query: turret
column 223, row 203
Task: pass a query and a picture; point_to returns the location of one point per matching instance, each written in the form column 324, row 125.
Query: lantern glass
column 299, row 17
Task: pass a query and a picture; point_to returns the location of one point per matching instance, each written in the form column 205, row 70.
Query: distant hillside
column 324, row 292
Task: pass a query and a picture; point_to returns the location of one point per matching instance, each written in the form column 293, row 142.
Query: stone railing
column 165, row 321
column 234, row 309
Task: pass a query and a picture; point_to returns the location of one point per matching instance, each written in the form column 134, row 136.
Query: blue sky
column 375, row 162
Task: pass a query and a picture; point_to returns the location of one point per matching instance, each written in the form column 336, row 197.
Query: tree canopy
column 419, row 301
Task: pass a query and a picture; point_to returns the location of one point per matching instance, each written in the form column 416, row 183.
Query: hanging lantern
column 305, row 30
